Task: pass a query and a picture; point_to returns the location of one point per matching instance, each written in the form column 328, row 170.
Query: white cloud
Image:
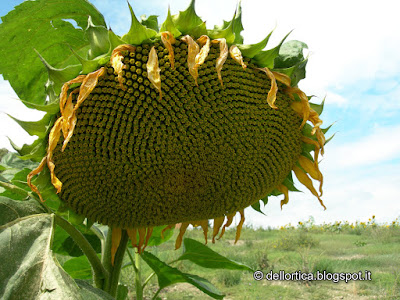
column 380, row 146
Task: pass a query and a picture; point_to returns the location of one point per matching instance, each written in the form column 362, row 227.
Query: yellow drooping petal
column 153, row 71
column 67, row 113
column 148, row 235
column 274, row 88
column 310, row 167
column 182, row 231
column 315, row 143
column 237, row 56
column 304, row 108
column 115, row 240
column 116, row 60
column 227, row 224
column 282, row 78
column 54, row 136
column 35, row 172
column 204, row 226
column 202, row 55
column 223, row 55
column 239, row 227
column 306, row 181
column 285, row 191
column 65, row 88
column 168, row 39
column 314, row 118
column 193, row 50
column 87, row 86
column 217, row 225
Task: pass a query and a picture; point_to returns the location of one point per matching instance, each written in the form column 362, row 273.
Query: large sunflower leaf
column 168, row 275
column 203, row 256
column 42, row 25
column 29, row 269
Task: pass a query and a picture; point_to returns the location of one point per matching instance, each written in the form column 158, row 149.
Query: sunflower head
column 178, row 124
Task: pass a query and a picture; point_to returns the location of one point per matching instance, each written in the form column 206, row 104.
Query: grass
column 338, row 247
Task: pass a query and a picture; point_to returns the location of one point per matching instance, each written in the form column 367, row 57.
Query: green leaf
column 188, row 22
column 237, row 25
column 203, row 256
column 11, row 210
column 228, row 34
column 38, row 128
column 42, row 25
column 168, row 275
column 257, row 207
column 156, row 238
column 290, row 54
column 29, row 270
column 288, row 182
column 13, row 192
column 318, row 107
column 88, row 292
column 251, row 50
column 47, row 190
column 138, row 32
column 12, row 161
column 115, row 40
column 65, row 245
column 150, row 21
column 78, row 267
column 50, row 107
column 267, row 58
column 35, row 151
column 98, row 38
column 169, row 25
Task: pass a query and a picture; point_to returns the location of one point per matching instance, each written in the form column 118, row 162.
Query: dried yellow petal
column 282, row 78
column 237, row 56
column 182, row 231
column 116, row 60
column 305, row 106
column 227, row 224
column 153, row 71
column 217, row 225
column 35, row 172
column 115, row 240
column 202, row 55
column 132, row 235
column 285, row 191
column 168, row 39
column 306, row 181
column 223, row 55
column 274, row 88
column 239, row 227
column 193, row 50
column 54, row 136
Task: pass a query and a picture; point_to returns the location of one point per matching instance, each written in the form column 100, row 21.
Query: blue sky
column 354, row 62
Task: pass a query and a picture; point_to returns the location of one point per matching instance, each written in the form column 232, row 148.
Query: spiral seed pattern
column 200, row 152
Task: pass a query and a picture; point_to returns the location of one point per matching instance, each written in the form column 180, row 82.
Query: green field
column 338, row 247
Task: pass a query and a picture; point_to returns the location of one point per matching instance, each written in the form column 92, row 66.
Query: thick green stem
column 138, row 280
column 106, row 258
column 136, row 264
column 99, row 272
column 116, row 269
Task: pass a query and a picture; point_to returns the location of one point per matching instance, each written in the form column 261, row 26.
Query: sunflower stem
column 138, row 280
column 106, row 259
column 100, row 274
column 116, row 269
